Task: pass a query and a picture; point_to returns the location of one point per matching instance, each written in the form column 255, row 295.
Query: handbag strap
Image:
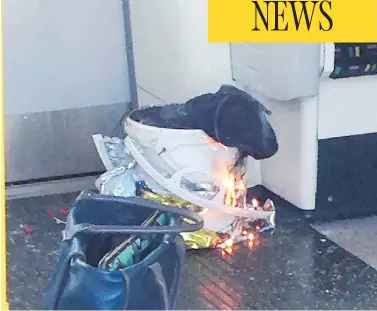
column 161, row 284
column 169, row 299
column 60, row 282
column 72, row 229
column 181, row 258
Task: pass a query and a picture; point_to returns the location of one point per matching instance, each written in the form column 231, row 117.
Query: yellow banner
column 292, row 21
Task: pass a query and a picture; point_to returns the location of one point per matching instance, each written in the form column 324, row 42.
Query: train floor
column 297, row 267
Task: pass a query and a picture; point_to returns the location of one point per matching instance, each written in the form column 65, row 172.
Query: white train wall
column 174, row 62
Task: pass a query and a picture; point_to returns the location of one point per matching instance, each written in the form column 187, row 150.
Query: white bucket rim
column 137, row 124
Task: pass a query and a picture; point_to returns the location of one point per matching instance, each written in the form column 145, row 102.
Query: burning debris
column 190, row 168
column 133, row 181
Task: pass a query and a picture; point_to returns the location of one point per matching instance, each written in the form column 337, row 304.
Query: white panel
column 347, row 107
column 292, row 172
column 327, row 59
column 64, row 54
column 279, row 71
column 146, row 99
column 253, row 176
column 173, row 58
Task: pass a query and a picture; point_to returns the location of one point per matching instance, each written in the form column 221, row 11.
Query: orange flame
column 215, row 144
column 255, row 202
column 234, row 188
column 228, row 245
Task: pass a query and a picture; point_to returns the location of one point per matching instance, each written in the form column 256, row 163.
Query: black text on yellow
column 288, row 15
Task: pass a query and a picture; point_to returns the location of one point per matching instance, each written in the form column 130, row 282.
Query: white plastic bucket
column 170, row 156
column 182, row 148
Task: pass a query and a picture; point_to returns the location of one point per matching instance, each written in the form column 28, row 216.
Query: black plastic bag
column 229, row 116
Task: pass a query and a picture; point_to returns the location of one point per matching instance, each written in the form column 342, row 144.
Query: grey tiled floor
column 295, row 268
column 358, row 236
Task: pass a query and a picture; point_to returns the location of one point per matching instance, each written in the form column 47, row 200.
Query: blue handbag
column 97, row 224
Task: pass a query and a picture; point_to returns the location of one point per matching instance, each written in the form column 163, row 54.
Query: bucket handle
column 174, row 186
column 72, row 228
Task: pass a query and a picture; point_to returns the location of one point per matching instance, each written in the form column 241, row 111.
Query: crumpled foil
column 115, row 150
column 124, row 178
column 120, row 166
column 193, row 240
column 171, row 200
column 117, row 182
column 200, row 239
column 112, row 151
